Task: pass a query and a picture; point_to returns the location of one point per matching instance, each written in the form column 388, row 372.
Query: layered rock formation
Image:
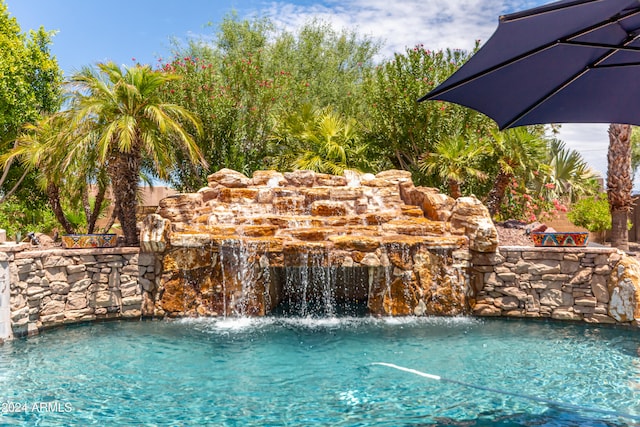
column 246, row 246
column 624, row 291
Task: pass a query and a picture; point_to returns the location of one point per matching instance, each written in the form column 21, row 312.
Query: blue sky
column 90, row 31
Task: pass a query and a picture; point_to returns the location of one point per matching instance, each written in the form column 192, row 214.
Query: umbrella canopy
column 572, row 61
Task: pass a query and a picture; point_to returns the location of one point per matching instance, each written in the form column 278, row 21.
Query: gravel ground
column 513, row 233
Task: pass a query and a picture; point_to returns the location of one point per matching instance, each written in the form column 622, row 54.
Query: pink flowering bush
column 528, row 205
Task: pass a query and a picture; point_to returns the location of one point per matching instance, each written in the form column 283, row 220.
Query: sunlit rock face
column 624, row 291
column 306, row 243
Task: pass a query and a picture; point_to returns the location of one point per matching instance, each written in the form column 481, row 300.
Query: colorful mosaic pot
column 83, row 241
column 560, row 239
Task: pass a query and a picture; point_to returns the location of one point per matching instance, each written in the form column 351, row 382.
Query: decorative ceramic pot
column 560, row 239
column 84, row 241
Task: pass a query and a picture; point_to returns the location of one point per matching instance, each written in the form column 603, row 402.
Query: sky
column 143, row 31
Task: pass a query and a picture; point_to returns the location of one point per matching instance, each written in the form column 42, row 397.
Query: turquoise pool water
column 306, row 372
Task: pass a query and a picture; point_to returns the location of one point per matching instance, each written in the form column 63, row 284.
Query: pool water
column 307, row 372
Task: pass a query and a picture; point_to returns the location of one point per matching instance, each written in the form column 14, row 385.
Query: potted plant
column 84, row 241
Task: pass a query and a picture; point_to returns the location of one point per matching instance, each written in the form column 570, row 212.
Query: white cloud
column 436, row 23
column 591, row 140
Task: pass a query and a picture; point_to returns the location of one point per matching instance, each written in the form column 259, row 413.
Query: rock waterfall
column 305, row 243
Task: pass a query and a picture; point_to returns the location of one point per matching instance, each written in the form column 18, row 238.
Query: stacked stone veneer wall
column 592, row 284
column 54, row 287
column 41, row 289
column 5, row 298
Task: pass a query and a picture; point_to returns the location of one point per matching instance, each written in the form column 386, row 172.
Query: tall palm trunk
column 111, row 220
column 498, row 191
column 124, row 171
column 53, row 194
column 619, row 183
column 93, row 214
column 454, row 188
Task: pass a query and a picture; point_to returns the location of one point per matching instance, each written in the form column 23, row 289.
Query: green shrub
column 18, row 218
column 591, row 213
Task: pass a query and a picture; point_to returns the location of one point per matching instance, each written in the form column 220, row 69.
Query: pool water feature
column 244, row 246
column 298, row 371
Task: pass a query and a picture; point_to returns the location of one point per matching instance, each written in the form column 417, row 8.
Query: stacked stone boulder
column 416, row 257
column 591, row 284
column 54, row 287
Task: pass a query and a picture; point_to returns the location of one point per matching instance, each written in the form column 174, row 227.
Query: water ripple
column 309, row 371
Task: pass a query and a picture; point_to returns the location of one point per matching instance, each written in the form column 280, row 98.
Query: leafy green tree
column 328, row 67
column 591, row 213
column 252, row 77
column 234, row 102
column 19, row 217
column 405, row 130
column 29, row 76
column 118, row 118
column 29, row 87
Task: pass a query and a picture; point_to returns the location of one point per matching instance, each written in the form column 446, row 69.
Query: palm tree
column 517, row 150
column 619, row 183
column 44, row 147
column 324, row 141
column 119, row 115
column 568, row 172
column 39, row 146
column 454, row 160
column 635, row 150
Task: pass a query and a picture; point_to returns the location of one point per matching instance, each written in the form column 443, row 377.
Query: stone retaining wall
column 584, row 284
column 54, row 287
column 40, row 289
column 5, row 301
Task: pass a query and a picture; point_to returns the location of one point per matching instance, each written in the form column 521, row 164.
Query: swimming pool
column 300, row 372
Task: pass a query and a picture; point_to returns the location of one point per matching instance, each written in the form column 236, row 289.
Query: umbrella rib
column 600, row 45
column 563, row 85
column 627, row 64
column 567, row 40
column 542, row 10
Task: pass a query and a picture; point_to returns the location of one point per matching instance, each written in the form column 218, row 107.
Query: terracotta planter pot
column 85, row 241
column 560, row 239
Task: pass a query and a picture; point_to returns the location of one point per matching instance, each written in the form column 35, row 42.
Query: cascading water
column 307, row 244
column 313, row 287
column 309, row 288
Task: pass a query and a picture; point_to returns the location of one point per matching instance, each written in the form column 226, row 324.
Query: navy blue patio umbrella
column 571, row 61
